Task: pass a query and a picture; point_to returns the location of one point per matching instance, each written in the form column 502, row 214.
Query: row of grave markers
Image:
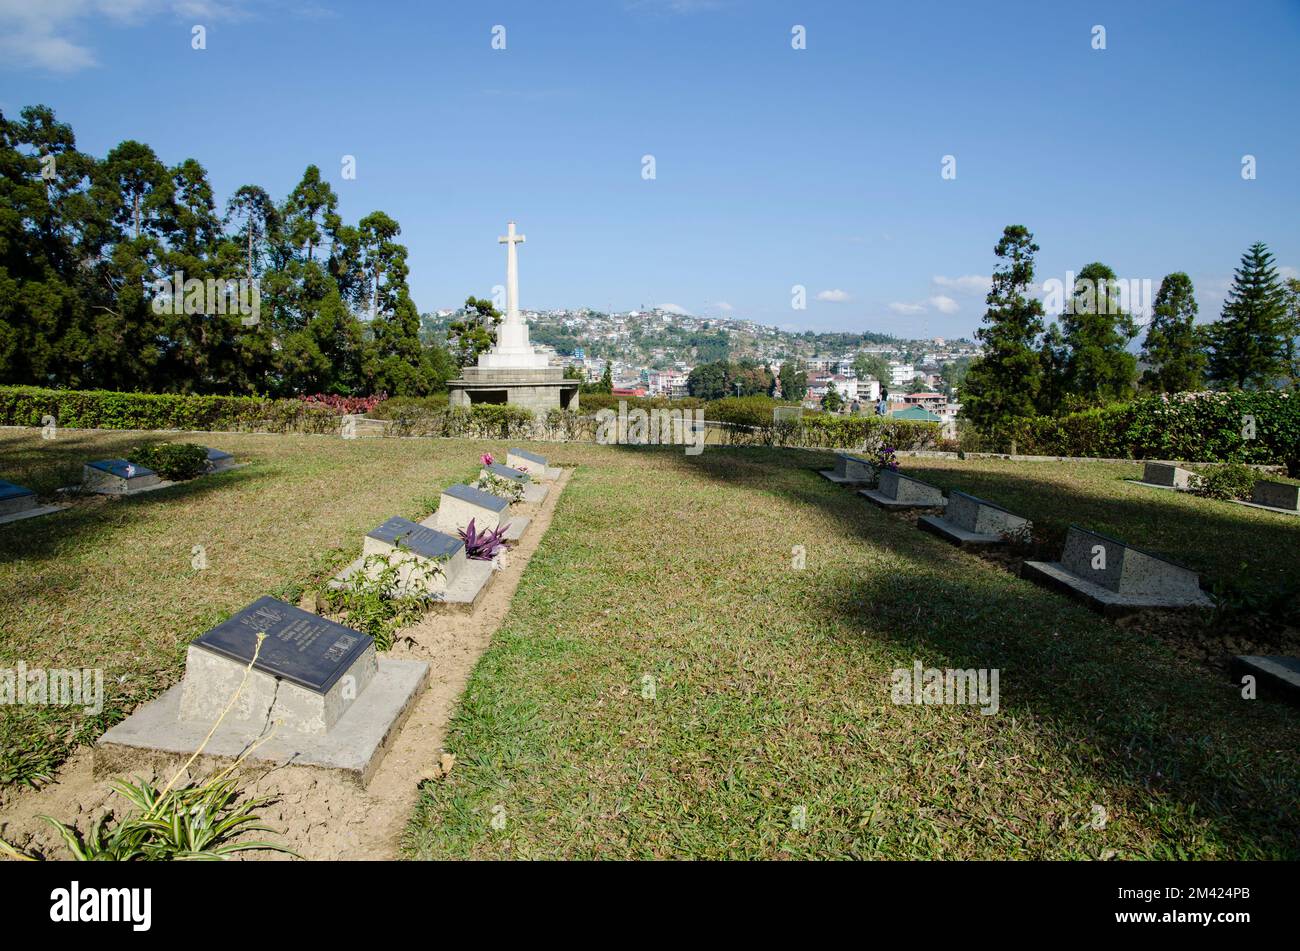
column 101, row 477
column 1110, row 576
column 319, row 693
column 1281, row 497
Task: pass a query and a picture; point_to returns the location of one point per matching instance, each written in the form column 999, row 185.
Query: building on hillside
column 900, row 374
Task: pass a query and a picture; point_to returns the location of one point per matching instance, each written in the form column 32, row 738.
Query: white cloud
column 943, row 304
column 966, row 284
column 723, row 306
column 899, row 307
column 673, row 308
column 49, row 35
column 835, row 296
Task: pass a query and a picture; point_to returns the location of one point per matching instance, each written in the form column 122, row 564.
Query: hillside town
column 651, row 353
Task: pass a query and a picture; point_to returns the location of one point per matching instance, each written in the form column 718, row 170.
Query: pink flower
column 486, row 458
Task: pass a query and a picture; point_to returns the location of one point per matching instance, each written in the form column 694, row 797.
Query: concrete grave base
column 535, row 494
column 955, row 534
column 1153, row 485
column 30, row 513
column 1266, row 508
column 1054, row 575
column 838, row 479
column 885, row 502
column 1276, row 678
column 516, row 528
column 462, row 593
column 354, row 747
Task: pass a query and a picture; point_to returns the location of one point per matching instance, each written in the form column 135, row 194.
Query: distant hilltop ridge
column 659, row 336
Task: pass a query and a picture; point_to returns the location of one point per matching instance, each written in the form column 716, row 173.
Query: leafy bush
column 175, row 461
column 1196, row 427
column 1230, row 481
column 507, row 489
column 104, row 409
column 743, row 410
column 370, row 601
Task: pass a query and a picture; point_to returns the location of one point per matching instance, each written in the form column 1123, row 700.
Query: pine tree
column 1249, row 340
column 1174, row 346
column 1004, row 383
column 1098, row 369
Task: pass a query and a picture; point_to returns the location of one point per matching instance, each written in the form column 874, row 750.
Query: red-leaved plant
column 484, row 545
column 344, row 405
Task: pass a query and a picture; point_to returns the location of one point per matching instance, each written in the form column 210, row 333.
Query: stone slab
column 1056, row 576
column 1276, row 678
column 427, row 560
column 980, row 517
column 505, row 472
column 1276, row 495
column 118, row 477
column 15, row 498
column 354, row 747
column 533, row 463
column 31, row 513
column 897, row 491
column 833, row 476
column 1166, row 476
column 460, row 503
column 219, row 460
column 959, row 536
column 536, row 494
column 1127, row 570
column 1266, row 508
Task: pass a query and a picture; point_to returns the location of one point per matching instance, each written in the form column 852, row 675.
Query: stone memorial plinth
column 1276, row 495
column 316, row 695
column 19, row 502
column 850, row 470
column 219, row 460
column 430, row 564
column 1163, row 475
column 969, row 522
column 505, row 472
column 1276, row 678
column 119, row 477
column 1116, row 578
column 512, row 371
column 897, row 491
column 532, row 463
column 460, row 503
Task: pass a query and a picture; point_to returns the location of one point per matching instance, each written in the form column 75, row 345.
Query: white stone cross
column 512, row 272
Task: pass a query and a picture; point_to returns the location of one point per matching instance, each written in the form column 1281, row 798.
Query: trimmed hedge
column 104, row 409
column 1193, row 427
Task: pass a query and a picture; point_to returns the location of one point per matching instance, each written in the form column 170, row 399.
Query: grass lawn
column 672, row 576
column 110, row 583
column 771, row 685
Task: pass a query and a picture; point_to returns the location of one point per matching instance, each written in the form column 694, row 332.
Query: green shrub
column 1230, row 481
column 1196, row 427
column 175, row 461
column 104, row 409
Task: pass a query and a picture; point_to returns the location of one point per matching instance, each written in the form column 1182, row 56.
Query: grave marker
column 1116, row 578
column 1275, row 677
column 118, row 477
column 850, row 469
column 219, row 460
column 897, row 491
column 460, row 503
column 532, row 463
column 1166, row 476
column 317, row 695
column 15, row 498
column 505, row 472
column 1276, row 495
column 427, row 560
column 969, row 522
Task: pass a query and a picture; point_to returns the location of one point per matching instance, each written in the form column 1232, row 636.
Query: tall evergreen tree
column 1097, row 330
column 1004, row 383
column 1174, row 347
column 1249, row 340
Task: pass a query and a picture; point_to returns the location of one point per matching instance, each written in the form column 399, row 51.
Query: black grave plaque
column 122, row 468
column 506, row 472
column 300, row 647
column 419, row 539
column 9, row 490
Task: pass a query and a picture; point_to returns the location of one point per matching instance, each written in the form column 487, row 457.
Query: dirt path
column 318, row 814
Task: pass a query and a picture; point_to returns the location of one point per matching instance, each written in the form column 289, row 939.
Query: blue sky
column 774, row 166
